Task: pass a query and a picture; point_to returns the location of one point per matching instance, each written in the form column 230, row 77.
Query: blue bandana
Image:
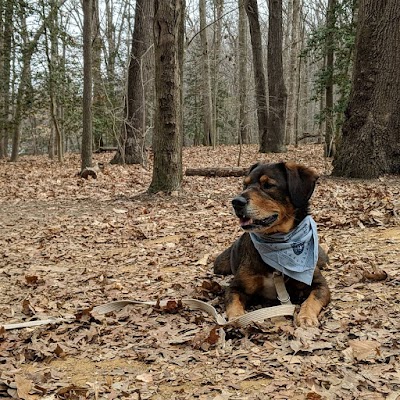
column 295, row 254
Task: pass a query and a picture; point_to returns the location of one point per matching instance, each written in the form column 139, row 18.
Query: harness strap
column 283, row 295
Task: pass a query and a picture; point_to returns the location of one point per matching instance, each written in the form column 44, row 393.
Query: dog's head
column 275, row 197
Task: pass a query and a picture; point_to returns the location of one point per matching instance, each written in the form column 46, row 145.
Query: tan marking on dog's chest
column 269, row 290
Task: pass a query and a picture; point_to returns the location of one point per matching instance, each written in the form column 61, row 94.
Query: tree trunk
column 292, row 72
column 370, row 145
column 132, row 140
column 86, row 150
column 168, row 129
column 98, row 106
column 329, row 139
column 208, row 124
column 275, row 142
column 218, row 12
column 5, row 66
column 53, row 67
column 244, row 129
column 259, row 76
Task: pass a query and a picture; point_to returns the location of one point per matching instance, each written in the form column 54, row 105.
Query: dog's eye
column 267, row 185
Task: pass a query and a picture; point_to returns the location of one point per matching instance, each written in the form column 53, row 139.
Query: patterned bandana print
column 295, row 254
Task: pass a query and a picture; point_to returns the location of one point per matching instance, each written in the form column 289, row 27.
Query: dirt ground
column 68, row 244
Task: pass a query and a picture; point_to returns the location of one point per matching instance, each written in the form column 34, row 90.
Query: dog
column 280, row 237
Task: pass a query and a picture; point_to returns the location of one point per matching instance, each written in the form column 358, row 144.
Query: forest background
column 70, row 73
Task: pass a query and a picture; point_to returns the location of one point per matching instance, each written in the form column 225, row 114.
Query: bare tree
column 168, row 130
column 370, row 145
column 53, row 71
column 86, row 150
column 259, row 76
column 29, row 47
column 208, row 124
column 275, row 141
column 5, row 68
column 244, row 128
column 329, row 139
column 292, row 72
column 132, row 141
column 218, row 14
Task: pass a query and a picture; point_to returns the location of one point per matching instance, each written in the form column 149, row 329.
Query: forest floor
column 68, row 244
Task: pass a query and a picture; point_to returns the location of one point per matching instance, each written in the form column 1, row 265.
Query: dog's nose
column 239, row 202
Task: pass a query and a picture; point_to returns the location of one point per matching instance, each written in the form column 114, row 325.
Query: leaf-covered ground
column 68, row 244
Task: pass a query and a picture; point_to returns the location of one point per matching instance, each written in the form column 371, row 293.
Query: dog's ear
column 254, row 166
column 301, row 183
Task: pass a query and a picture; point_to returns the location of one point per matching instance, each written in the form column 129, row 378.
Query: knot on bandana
column 295, row 253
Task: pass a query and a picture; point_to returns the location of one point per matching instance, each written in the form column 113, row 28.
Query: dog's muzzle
column 239, row 204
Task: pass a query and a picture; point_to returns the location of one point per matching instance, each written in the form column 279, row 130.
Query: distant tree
column 53, row 65
column 244, row 128
column 275, row 139
column 330, row 52
column 259, row 75
column 86, row 149
column 7, row 11
column 131, row 142
column 370, row 144
column 168, row 129
column 208, row 123
column 29, row 46
column 293, row 49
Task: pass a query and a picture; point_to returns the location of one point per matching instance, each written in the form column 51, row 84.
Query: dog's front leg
column 312, row 306
column 235, row 303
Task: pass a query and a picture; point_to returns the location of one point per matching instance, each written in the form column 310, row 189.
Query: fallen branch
column 220, row 172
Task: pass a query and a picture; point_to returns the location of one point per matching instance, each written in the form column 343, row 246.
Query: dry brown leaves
column 68, row 244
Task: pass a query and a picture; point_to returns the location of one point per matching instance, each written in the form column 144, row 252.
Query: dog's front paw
column 306, row 319
column 234, row 312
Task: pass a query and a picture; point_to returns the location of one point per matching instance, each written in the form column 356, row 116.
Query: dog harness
column 295, row 253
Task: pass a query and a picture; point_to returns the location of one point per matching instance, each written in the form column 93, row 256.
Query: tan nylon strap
column 283, row 295
column 194, row 304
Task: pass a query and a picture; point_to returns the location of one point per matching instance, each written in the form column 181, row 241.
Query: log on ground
column 217, row 172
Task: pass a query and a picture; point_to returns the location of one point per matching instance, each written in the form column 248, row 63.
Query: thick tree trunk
column 208, row 125
column 275, row 142
column 244, row 129
column 259, row 75
column 370, row 145
column 132, row 140
column 86, row 150
column 168, row 129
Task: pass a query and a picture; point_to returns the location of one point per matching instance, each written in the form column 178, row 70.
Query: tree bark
column 244, row 129
column 98, row 106
column 218, row 12
column 208, row 124
column 370, row 145
column 5, row 65
column 132, row 140
column 292, row 72
column 168, row 130
column 329, row 139
column 275, row 142
column 86, row 150
column 259, row 76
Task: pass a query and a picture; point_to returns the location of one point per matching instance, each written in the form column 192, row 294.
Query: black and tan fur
column 275, row 199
